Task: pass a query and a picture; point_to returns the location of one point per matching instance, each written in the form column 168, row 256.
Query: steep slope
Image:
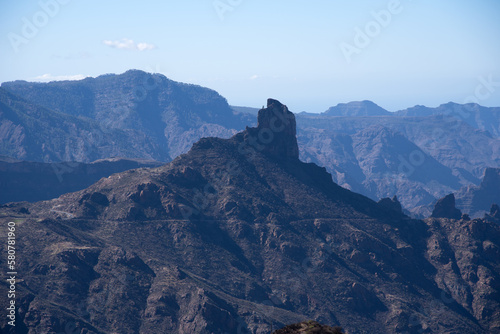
column 238, row 235
column 33, row 133
column 380, row 162
column 36, row 181
column 451, row 144
column 171, row 114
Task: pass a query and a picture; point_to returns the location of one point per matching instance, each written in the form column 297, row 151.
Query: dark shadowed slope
column 36, row 181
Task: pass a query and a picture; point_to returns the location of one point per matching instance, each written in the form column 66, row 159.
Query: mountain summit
column 357, row 108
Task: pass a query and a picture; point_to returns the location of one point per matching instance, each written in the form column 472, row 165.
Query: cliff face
column 276, row 125
column 238, row 235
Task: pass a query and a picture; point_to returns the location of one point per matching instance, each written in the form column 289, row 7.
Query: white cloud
column 128, row 44
column 49, row 77
column 253, row 77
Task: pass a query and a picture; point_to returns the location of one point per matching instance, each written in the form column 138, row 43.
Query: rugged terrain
column 239, row 236
column 133, row 115
column 419, row 154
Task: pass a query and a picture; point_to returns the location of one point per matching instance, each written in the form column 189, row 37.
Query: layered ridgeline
column 419, row 154
column 239, row 236
column 134, row 115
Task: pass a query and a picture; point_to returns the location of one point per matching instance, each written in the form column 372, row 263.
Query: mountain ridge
column 168, row 114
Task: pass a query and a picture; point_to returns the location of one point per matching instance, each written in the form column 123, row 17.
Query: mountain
column 419, row 159
column 238, row 235
column 36, row 181
column 147, row 116
column 33, row 133
column 477, row 200
column 358, row 108
column 374, row 161
column 153, row 109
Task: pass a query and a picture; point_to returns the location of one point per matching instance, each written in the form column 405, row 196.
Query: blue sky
column 417, row 52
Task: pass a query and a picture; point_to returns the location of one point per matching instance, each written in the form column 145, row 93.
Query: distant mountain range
column 418, row 158
column 133, row 115
column 419, row 154
column 240, row 236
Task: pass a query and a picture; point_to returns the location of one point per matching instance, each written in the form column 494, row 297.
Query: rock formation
column 276, row 131
column 392, row 204
column 445, row 208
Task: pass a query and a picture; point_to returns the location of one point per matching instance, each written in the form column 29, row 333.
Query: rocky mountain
column 477, row 200
column 161, row 118
column 33, row 133
column 36, row 181
column 419, row 159
column 239, row 236
column 446, row 208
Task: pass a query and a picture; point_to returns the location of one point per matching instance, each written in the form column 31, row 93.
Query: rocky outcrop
column 392, row 204
column 445, row 208
column 276, row 131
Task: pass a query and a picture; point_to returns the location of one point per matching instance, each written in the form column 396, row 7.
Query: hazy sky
column 309, row 54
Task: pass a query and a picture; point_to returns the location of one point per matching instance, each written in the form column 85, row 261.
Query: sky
column 310, row 55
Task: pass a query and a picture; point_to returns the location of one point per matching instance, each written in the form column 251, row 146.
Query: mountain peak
column 445, row 208
column 357, row 108
column 276, row 130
